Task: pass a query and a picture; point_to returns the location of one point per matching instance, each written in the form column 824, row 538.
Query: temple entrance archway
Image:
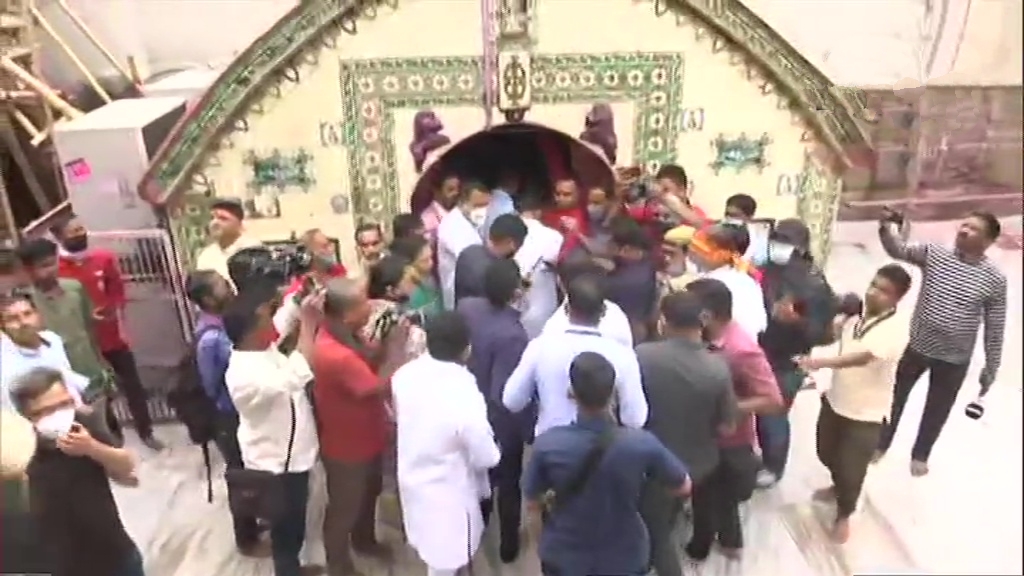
column 537, row 153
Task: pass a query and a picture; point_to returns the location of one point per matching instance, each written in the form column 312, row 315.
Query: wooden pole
column 27, row 173
column 45, row 91
column 45, row 25
column 26, row 124
column 87, row 32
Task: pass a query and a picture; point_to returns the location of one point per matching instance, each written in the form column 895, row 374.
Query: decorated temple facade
column 334, row 115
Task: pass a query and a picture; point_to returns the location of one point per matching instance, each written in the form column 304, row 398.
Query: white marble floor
column 964, row 518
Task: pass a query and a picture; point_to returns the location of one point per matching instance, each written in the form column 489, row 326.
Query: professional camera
column 392, row 317
column 641, row 190
column 278, row 264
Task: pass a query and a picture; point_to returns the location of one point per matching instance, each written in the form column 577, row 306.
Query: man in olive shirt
column 66, row 310
column 690, row 394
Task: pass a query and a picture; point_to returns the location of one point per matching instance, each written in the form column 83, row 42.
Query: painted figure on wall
column 599, row 130
column 427, row 137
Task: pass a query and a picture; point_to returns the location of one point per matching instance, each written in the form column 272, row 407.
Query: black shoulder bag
column 557, row 497
column 258, row 493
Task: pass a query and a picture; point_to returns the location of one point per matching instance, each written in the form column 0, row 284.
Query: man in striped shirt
column 960, row 288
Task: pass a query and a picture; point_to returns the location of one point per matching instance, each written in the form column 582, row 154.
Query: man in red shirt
column 674, row 193
column 716, row 501
column 97, row 270
column 350, row 390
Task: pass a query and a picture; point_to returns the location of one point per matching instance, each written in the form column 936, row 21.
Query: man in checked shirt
column 960, row 288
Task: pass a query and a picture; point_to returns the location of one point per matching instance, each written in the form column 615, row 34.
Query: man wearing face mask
column 97, row 271
column 632, row 283
column 740, row 209
column 458, row 230
column 801, row 307
column 536, row 259
column 324, row 266
column 69, row 480
column 505, row 238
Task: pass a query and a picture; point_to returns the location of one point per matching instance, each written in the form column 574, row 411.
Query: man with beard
column 801, row 307
column 444, row 201
column 960, row 289
column 227, row 235
column 98, row 272
column 506, row 236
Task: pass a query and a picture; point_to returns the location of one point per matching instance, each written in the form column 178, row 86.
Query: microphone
column 975, row 410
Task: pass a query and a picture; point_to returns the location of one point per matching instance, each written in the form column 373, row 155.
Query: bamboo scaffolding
column 26, row 124
column 39, row 87
column 28, row 174
column 88, row 33
column 45, row 25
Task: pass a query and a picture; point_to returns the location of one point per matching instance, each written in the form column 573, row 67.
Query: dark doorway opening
column 523, row 148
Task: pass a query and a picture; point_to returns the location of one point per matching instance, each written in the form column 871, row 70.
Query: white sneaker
column 766, row 479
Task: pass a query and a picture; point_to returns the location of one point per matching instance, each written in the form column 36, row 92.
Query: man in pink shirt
column 716, row 500
column 444, row 201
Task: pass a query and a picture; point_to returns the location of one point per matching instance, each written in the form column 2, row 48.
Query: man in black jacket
column 801, row 307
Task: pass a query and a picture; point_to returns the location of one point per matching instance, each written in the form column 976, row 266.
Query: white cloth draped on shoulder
column 535, row 258
column 455, row 233
column 445, row 447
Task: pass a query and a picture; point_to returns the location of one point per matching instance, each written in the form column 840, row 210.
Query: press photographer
column 351, row 387
column 322, row 265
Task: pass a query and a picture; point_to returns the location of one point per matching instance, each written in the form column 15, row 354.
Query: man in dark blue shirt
column 208, row 290
column 505, row 237
column 497, row 340
column 593, row 524
column 633, row 283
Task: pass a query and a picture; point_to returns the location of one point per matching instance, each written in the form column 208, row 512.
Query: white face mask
column 733, row 221
column 477, row 216
column 779, row 253
column 57, row 424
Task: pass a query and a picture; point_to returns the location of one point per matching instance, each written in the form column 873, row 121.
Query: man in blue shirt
column 593, row 524
column 497, row 339
column 208, row 290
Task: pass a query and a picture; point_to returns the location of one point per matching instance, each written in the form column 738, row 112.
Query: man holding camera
column 351, row 387
column 960, row 288
column 324, row 265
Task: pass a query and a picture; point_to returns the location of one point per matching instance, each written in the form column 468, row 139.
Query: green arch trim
column 831, row 111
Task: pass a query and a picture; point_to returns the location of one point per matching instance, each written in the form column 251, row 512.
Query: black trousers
column 944, row 382
column 505, row 482
column 845, row 447
column 660, row 510
column 716, row 512
column 288, row 533
column 129, row 384
column 247, row 531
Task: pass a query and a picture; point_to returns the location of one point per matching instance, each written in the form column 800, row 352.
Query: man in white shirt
column 459, row 229
column 444, row 448
column 25, row 346
column 543, row 369
column 613, row 324
column 536, row 259
column 227, row 235
column 276, row 430
column 718, row 256
column 863, row 377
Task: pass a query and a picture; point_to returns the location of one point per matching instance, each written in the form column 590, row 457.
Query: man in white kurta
column 536, row 259
column 445, row 447
column 459, row 229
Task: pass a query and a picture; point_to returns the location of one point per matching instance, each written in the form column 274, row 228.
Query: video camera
column 392, row 317
column 277, row 264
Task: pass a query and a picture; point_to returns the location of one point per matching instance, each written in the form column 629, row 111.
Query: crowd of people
column 586, row 371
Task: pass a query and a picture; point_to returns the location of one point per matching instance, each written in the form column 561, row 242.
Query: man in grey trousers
column 690, row 394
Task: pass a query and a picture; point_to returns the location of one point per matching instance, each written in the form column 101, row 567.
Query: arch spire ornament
column 832, row 113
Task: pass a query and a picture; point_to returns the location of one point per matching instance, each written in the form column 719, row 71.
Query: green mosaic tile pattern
column 373, row 89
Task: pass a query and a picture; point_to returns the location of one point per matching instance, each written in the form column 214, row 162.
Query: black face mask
column 76, row 243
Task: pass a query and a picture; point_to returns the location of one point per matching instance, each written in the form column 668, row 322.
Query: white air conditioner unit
column 104, row 154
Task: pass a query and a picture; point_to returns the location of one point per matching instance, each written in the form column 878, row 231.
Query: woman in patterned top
column 391, row 281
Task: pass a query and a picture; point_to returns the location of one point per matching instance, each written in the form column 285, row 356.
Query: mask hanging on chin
column 56, row 424
column 780, row 253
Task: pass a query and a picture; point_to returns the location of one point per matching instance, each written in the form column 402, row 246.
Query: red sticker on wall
column 77, row 171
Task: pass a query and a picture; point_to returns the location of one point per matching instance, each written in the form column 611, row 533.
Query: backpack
column 193, row 406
